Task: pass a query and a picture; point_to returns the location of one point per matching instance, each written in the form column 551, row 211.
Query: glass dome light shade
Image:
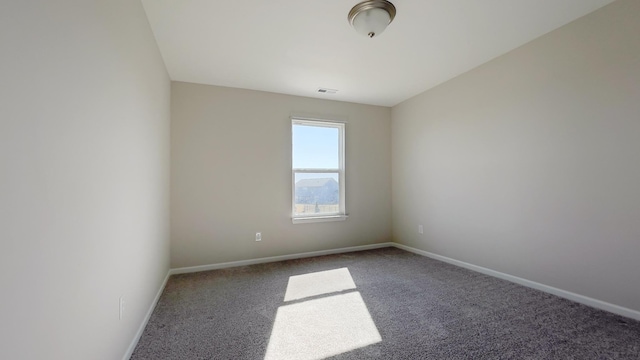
column 371, row 18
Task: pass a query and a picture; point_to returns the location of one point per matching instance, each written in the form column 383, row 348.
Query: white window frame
column 341, row 215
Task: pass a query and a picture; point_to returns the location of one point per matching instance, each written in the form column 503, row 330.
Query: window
column 317, row 170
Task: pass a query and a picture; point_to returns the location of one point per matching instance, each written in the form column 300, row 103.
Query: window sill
column 315, row 219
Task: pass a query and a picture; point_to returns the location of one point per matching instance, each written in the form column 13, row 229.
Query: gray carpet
column 398, row 305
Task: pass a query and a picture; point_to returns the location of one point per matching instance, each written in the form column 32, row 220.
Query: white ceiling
column 296, row 46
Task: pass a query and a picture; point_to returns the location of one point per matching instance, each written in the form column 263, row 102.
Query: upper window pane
column 315, row 147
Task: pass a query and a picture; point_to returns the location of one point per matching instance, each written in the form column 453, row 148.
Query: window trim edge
column 316, row 219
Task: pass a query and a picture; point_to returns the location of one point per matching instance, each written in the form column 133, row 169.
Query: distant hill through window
column 321, row 191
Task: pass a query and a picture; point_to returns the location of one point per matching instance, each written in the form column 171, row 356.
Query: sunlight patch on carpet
column 321, row 327
column 318, row 283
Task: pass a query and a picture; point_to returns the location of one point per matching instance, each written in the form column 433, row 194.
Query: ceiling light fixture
column 371, row 17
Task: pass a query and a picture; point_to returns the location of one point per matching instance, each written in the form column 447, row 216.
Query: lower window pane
column 317, row 194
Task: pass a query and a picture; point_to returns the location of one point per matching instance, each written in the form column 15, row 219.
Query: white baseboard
column 192, row 269
column 138, row 335
column 633, row 314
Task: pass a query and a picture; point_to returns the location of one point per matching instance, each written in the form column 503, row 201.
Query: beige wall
column 231, row 149
column 84, row 177
column 529, row 164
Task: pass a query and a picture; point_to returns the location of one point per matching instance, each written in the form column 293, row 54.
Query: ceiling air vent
column 327, row 91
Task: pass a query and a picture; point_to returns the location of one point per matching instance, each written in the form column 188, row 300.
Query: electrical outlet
column 420, row 229
column 258, row 236
column 121, row 311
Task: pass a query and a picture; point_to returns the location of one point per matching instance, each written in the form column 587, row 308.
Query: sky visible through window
column 315, row 147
